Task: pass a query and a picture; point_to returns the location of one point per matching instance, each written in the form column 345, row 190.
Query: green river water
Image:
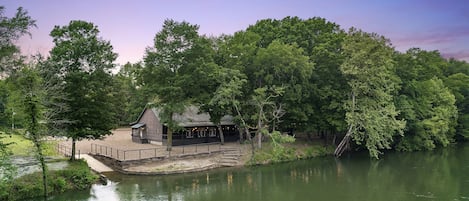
column 437, row 175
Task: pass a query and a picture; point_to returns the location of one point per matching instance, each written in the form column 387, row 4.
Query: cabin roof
column 192, row 117
column 138, row 125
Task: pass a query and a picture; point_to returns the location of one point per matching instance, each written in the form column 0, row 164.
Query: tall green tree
column 11, row 29
column 322, row 96
column 457, row 80
column 82, row 61
column 459, row 85
column 177, row 70
column 425, row 102
column 430, row 113
column 370, row 72
column 30, row 96
column 132, row 97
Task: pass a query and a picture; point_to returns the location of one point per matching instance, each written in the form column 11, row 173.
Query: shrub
column 77, row 176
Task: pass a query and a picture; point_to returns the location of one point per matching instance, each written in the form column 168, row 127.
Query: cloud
column 459, row 55
column 436, row 37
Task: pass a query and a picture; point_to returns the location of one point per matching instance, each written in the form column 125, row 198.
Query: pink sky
column 131, row 25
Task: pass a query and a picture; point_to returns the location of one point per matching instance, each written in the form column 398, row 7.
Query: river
column 442, row 174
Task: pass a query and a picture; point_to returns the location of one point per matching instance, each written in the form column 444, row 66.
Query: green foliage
column 178, row 70
column 279, row 138
column 370, row 73
column 31, row 97
column 459, row 85
column 425, row 102
column 77, row 176
column 288, row 152
column 11, row 29
column 433, row 113
column 81, row 62
column 7, row 170
column 131, row 96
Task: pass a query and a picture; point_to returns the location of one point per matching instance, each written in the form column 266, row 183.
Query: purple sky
column 131, row 25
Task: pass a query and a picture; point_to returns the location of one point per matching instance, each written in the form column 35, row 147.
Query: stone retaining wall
column 121, row 166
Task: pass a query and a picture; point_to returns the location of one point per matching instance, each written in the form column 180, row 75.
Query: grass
column 77, row 176
column 289, row 152
column 20, row 146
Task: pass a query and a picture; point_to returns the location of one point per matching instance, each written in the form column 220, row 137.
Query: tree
column 431, row 114
column 457, row 81
column 323, row 95
column 82, row 62
column 30, row 96
column 227, row 96
column 11, row 29
column 132, row 97
column 425, row 102
column 285, row 66
column 177, row 70
column 370, row 111
column 459, row 85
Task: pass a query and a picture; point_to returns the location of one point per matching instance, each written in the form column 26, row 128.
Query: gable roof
column 192, row 117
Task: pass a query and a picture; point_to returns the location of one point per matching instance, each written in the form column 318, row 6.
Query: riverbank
column 75, row 176
column 204, row 161
column 118, row 152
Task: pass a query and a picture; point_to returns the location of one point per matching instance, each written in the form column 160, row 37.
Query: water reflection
column 437, row 175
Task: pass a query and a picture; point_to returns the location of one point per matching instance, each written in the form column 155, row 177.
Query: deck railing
column 67, row 151
column 138, row 154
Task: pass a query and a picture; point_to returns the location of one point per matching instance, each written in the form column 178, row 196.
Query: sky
column 131, row 26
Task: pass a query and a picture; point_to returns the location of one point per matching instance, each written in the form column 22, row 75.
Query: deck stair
column 230, row 156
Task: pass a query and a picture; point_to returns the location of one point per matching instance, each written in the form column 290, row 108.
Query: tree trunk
column 259, row 140
column 260, row 125
column 245, row 126
column 241, row 138
column 169, row 143
column 248, row 134
column 345, row 143
column 42, row 162
column 222, row 137
column 72, row 157
column 43, row 167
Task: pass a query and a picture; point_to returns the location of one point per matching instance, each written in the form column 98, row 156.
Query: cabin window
column 189, row 134
column 212, row 132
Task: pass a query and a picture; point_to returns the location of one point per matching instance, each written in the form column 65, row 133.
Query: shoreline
column 209, row 161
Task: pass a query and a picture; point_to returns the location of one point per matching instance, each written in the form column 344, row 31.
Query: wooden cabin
column 196, row 128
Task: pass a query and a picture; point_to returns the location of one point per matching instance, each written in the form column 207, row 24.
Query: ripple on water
column 428, row 195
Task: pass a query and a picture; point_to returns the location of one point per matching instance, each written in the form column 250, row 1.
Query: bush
column 271, row 153
column 77, row 176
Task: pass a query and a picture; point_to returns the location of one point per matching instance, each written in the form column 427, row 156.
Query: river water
column 437, row 175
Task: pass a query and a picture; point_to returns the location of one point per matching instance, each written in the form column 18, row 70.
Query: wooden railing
column 138, row 154
column 67, row 151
